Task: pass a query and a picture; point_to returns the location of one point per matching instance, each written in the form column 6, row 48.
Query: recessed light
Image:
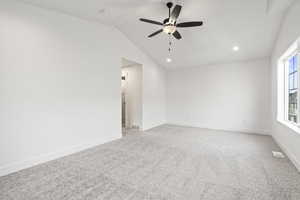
column 236, row 48
column 169, row 60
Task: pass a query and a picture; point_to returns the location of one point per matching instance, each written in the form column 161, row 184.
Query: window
column 289, row 86
column 292, row 89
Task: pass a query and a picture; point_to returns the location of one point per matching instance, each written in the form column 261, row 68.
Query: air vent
column 277, row 154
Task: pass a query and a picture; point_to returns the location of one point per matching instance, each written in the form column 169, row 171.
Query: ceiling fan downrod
column 169, row 5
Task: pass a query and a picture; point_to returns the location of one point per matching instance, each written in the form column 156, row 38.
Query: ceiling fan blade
column 177, row 35
column 151, row 21
column 175, row 14
column 155, row 33
column 189, row 24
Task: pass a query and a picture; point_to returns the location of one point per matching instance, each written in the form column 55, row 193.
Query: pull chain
column 170, row 43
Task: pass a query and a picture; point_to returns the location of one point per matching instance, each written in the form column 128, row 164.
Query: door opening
column 131, row 93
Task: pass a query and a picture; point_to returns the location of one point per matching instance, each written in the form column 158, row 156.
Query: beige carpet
column 166, row 163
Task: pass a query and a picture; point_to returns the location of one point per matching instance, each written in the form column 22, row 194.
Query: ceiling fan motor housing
column 166, row 21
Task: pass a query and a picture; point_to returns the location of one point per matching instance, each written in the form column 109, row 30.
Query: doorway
column 131, row 93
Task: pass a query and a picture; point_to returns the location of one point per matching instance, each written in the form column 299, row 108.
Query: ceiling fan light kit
column 169, row 25
column 169, row 29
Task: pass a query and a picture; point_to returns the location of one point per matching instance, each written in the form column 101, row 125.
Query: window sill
column 290, row 125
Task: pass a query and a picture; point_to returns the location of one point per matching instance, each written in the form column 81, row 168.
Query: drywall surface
column 288, row 139
column 60, row 85
column 228, row 96
column 133, row 89
column 154, row 96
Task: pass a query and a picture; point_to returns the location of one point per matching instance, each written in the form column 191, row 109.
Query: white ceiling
column 250, row 24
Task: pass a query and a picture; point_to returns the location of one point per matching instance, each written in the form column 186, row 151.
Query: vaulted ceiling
column 250, row 24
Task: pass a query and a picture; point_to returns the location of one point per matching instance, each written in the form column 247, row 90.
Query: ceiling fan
column 170, row 24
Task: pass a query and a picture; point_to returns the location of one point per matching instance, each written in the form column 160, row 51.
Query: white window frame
column 283, row 86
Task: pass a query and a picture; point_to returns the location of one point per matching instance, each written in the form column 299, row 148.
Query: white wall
column 133, row 89
column 229, row 96
column 154, row 95
column 60, row 85
column 290, row 31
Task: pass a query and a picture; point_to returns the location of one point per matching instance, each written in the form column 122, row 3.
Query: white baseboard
column 248, row 131
column 153, row 126
column 17, row 166
column 291, row 156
